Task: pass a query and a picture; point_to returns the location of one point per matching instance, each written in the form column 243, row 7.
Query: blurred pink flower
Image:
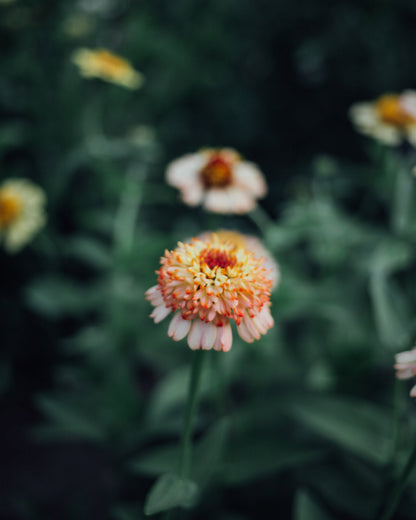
column 208, row 283
column 218, row 179
column 405, row 366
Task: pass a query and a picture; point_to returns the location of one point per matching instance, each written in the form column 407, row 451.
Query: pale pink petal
column 209, row 336
column 178, row 327
column 195, row 334
column 218, row 201
column 413, row 392
column 192, row 193
column 408, row 356
column 249, row 323
column 160, row 312
column 241, row 200
column 248, row 176
column 263, row 321
column 244, row 332
column 184, row 170
column 154, row 296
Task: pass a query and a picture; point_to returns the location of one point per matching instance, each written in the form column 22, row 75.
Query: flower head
column 207, row 284
column 405, row 366
column 218, row 179
column 21, row 212
column 105, row 65
column 251, row 243
column 390, row 118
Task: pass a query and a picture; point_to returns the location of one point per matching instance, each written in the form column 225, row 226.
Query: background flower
column 21, row 212
column 105, row 65
column 390, row 118
column 218, row 179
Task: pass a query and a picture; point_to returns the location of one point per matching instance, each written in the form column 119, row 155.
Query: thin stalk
column 403, row 198
column 191, row 406
column 397, row 415
column 261, row 219
column 398, row 489
column 129, row 205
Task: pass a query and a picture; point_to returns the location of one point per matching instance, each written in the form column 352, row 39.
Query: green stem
column 397, row 414
column 191, row 405
column 261, row 219
column 125, row 219
column 398, row 489
column 402, row 199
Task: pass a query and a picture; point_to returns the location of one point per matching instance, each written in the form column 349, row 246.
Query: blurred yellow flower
column 390, row 118
column 105, row 65
column 21, row 212
column 218, row 179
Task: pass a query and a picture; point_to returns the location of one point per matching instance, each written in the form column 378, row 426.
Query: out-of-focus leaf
column 354, row 425
column 122, row 512
column 170, row 491
column 71, row 421
column 389, row 255
column 157, row 461
column 390, row 312
column 307, row 509
column 209, row 452
column 206, row 459
column 262, row 456
column 90, row 251
column 171, row 394
column 56, row 297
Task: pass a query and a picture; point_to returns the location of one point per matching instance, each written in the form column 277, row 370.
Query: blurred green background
column 299, row 425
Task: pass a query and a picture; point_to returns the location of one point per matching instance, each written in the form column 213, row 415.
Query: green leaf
column 170, row 491
column 307, row 509
column 390, row 311
column 262, row 456
column 55, row 297
column 70, row 421
column 89, row 250
column 209, row 451
column 157, row 461
column 353, row 425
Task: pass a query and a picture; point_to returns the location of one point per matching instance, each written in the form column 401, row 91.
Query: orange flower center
column 391, row 111
column 111, row 64
column 217, row 258
column 10, row 207
column 217, row 173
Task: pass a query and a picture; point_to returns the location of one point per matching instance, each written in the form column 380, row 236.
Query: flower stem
column 191, row 405
column 402, row 199
column 261, row 219
column 398, row 489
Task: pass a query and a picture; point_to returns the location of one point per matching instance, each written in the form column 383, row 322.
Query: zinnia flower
column 390, row 118
column 406, row 366
column 105, row 65
column 218, row 179
column 207, row 284
column 251, row 243
column 21, row 212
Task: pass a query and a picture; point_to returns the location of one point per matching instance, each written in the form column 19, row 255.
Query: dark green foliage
column 301, row 424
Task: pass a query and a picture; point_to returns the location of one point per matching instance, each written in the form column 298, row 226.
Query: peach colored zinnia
column 390, row 119
column 251, row 243
column 406, row 366
column 218, row 179
column 207, row 284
